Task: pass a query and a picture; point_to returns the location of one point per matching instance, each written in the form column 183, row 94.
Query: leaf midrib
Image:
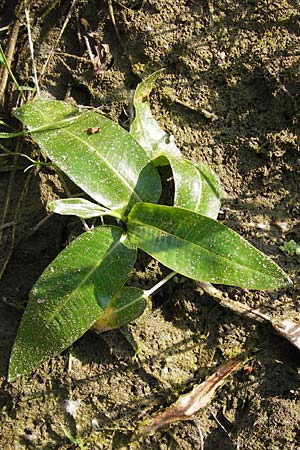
column 133, row 302
column 202, row 248
column 90, row 147
column 71, row 294
column 123, row 180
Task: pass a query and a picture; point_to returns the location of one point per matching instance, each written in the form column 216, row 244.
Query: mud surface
column 230, row 96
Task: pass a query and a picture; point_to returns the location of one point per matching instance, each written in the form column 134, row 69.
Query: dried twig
column 191, row 403
column 288, row 328
column 113, row 21
column 9, row 57
column 52, row 51
column 16, row 214
column 35, row 78
column 234, row 305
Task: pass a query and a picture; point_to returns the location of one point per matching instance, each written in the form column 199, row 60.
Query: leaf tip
column 12, row 374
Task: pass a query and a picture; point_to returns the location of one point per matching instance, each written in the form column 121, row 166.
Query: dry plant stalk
column 189, row 404
column 288, row 328
column 9, row 57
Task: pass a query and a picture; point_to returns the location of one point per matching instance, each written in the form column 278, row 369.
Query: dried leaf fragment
column 290, row 329
column 189, row 404
column 84, row 23
column 93, row 130
column 99, row 59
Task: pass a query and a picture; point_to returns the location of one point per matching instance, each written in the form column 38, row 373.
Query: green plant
column 5, row 64
column 74, row 440
column 85, row 285
column 3, row 61
column 290, row 248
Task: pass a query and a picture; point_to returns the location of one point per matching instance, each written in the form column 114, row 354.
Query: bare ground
column 230, row 95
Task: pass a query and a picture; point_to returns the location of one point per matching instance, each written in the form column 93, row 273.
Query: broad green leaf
column 211, row 194
column 201, row 248
column 78, row 207
column 196, row 186
column 70, row 296
column 145, row 129
column 96, row 153
column 188, row 184
column 128, row 304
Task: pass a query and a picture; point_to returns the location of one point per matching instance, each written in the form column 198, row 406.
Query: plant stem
column 35, row 78
column 52, row 50
column 8, row 57
column 16, row 213
column 157, row 286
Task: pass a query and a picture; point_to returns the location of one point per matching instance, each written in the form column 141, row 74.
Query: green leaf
column 78, row 207
column 145, row 129
column 290, row 248
column 96, row 153
column 188, row 184
column 196, row 186
column 128, row 304
column 11, row 134
column 201, row 248
column 3, row 59
column 211, row 194
column 70, row 296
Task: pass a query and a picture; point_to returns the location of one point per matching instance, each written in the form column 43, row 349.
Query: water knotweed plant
column 85, row 286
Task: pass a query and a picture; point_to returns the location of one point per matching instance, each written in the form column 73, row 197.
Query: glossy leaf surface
column 201, row 248
column 97, row 154
column 211, row 194
column 196, row 186
column 70, row 296
column 128, row 304
column 78, row 207
column 145, row 129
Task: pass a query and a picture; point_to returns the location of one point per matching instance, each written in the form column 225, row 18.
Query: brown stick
column 113, row 20
column 234, row 305
column 9, row 57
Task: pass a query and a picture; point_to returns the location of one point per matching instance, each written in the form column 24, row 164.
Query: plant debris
column 191, row 403
column 288, row 328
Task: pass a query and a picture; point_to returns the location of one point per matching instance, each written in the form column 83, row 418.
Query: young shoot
column 86, row 285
